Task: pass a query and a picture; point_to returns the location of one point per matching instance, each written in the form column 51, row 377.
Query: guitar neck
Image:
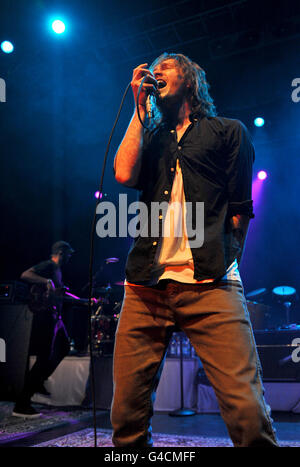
column 68, row 297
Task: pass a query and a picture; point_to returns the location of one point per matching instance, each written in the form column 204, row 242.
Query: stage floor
column 67, row 421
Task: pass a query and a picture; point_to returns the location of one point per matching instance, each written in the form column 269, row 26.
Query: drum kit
column 260, row 313
column 104, row 319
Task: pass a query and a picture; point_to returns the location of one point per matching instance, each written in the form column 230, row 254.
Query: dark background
column 63, row 93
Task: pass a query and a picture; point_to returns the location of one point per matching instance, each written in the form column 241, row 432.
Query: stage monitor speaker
column 279, row 355
column 15, row 330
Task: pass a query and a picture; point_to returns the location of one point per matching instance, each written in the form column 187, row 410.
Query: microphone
column 160, row 83
column 148, row 106
column 154, row 92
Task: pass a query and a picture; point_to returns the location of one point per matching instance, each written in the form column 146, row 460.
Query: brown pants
column 216, row 320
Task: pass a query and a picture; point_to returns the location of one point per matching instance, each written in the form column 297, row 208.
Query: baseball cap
column 61, row 245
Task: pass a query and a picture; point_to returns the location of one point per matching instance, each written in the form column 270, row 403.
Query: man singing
column 187, row 156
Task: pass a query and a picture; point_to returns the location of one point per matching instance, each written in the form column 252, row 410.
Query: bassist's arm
column 32, row 278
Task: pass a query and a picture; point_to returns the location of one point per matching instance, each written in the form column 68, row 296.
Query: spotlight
column 259, row 121
column 58, row 26
column 7, row 47
column 98, row 194
column 262, row 175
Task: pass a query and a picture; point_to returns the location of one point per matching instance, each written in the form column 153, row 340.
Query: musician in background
column 49, row 338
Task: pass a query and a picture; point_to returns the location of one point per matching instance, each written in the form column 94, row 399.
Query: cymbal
column 284, row 291
column 256, row 293
column 111, row 260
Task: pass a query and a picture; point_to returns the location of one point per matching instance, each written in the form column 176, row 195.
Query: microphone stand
column 182, row 411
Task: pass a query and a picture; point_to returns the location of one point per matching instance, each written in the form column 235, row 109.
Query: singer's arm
column 127, row 163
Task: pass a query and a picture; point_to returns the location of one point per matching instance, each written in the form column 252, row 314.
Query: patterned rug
column 13, row 428
column 85, row 438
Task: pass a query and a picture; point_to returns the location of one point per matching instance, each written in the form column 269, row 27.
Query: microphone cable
column 92, row 247
column 91, row 263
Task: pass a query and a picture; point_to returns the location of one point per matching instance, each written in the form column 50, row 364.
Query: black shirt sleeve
column 45, row 269
column 144, row 174
column 49, row 270
column 240, row 158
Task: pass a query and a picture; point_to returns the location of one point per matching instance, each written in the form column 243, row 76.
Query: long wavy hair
column 200, row 99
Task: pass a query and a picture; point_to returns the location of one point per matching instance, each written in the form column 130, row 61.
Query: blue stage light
column 7, row 47
column 259, row 121
column 58, row 26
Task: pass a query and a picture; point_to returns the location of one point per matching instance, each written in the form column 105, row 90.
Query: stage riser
column 69, row 385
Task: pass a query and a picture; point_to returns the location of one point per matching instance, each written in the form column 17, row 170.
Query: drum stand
column 286, row 296
column 182, row 412
column 287, row 306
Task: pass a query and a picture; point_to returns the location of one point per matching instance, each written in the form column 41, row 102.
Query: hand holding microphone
column 144, row 84
column 149, row 85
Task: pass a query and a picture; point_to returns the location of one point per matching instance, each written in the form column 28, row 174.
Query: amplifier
column 15, row 330
column 13, row 292
column 279, row 353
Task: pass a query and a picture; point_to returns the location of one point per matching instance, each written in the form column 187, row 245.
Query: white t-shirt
column 174, row 258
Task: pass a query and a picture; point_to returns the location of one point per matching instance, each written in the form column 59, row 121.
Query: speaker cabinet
column 279, row 354
column 15, row 330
